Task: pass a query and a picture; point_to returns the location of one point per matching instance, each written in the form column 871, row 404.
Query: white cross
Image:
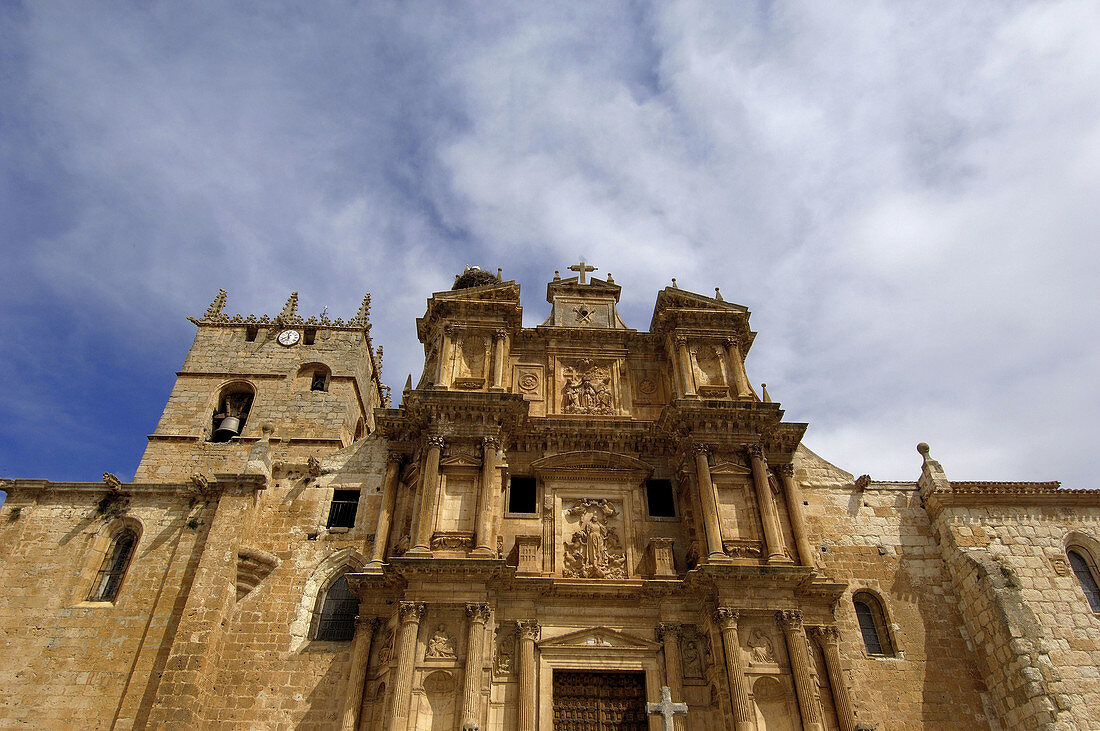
column 666, row 708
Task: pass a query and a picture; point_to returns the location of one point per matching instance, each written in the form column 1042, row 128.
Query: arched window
column 338, row 610
column 231, row 412
column 1084, row 568
column 109, row 579
column 872, row 624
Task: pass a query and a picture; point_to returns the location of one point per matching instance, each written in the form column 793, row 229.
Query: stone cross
column 582, row 268
column 666, row 708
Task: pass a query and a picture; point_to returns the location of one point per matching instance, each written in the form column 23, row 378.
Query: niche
column 234, row 404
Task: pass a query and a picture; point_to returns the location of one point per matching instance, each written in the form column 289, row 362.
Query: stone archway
column 773, row 706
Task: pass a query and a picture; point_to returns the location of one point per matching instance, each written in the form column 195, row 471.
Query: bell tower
column 304, row 386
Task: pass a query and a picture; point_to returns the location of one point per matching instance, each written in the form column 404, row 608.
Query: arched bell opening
column 231, row 412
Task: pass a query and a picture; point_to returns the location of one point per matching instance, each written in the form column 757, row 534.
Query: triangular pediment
column 499, row 292
column 730, row 468
column 600, row 637
column 591, row 460
column 460, row 459
column 674, row 297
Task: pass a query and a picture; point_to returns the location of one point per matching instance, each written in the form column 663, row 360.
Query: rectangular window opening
column 660, row 499
column 341, row 514
column 521, row 495
column 250, row 333
column 310, row 336
column 320, row 381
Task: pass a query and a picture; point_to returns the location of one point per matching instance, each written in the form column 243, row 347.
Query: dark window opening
column 250, row 333
column 111, row 573
column 231, row 413
column 310, row 336
column 1081, row 569
column 521, row 495
column 341, row 514
column 660, row 499
column 872, row 625
column 338, row 611
column 320, row 381
column 359, row 429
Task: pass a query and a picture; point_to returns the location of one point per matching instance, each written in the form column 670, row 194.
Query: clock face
column 289, row 337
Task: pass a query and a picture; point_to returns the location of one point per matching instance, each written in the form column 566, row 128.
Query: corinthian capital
column 680, row 340
column 478, row 612
column 786, row 469
column 395, row 456
column 411, row 611
column 789, row 619
column 668, row 629
column 825, row 634
column 726, row 617
column 528, row 629
column 732, row 341
column 755, row 450
column 437, row 441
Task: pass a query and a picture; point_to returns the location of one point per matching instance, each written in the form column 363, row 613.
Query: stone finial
column 557, row 276
column 718, row 295
column 387, row 397
column 215, row 310
column 290, row 309
column 378, row 356
column 932, row 477
column 362, row 317
column 610, row 279
column 500, row 274
column 674, row 285
column 863, row 482
column 408, row 384
column 764, row 395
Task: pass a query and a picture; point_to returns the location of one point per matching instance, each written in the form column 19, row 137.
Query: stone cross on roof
column 666, row 708
column 582, row 268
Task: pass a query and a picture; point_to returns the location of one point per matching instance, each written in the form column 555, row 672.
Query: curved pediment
column 591, row 460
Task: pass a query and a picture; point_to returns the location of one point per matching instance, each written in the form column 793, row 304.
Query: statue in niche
column 594, row 550
column 503, row 660
column 441, row 645
column 471, row 358
column 386, row 649
column 587, row 389
column 761, row 651
column 692, row 659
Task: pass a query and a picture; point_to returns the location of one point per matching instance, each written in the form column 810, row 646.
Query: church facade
column 555, row 528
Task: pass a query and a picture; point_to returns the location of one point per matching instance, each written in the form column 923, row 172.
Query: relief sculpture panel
column 594, row 550
column 587, row 388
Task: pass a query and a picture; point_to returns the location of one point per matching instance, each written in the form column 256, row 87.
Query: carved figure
column 386, row 648
column 594, row 551
column 441, row 645
column 761, row 649
column 693, row 661
column 503, row 659
column 587, row 389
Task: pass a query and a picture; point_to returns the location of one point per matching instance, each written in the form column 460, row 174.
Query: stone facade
column 578, row 496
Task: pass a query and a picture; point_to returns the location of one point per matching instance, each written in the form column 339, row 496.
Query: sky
column 905, row 195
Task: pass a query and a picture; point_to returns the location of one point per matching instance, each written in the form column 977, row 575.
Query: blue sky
column 904, row 194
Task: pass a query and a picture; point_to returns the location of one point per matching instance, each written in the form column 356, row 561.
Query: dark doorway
column 593, row 701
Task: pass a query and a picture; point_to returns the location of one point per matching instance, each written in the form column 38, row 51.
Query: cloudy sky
column 906, row 195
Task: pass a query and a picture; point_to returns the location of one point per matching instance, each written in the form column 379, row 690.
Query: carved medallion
column 594, row 550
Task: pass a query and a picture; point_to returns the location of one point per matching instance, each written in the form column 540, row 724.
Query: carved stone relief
column 441, row 646
column 502, row 662
column 593, row 550
column 708, row 366
column 385, row 648
column 761, row 650
column 587, row 388
column 692, row 656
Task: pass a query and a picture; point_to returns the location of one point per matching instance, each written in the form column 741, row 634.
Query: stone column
column 769, row 516
column 475, row 657
column 708, row 496
column 528, row 712
column 744, row 717
column 790, row 621
column 429, row 487
column 669, row 635
column 357, row 671
column 685, row 365
column 500, row 338
column 405, row 651
column 441, row 366
column 737, row 364
column 486, row 504
column 793, row 495
column 827, row 639
column 385, row 513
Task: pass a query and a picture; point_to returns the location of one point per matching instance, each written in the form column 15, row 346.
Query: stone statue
column 441, row 646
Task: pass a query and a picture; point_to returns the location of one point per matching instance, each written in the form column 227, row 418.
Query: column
column 478, row 615
column 744, row 718
column 669, row 635
column 827, row 639
column 357, row 671
column 429, row 487
column 793, row 495
column 685, row 365
column 500, row 338
column 385, row 513
column 441, row 365
column 737, row 364
column 405, row 650
column 708, row 496
column 790, row 621
column 486, row 505
column 769, row 516
column 528, row 711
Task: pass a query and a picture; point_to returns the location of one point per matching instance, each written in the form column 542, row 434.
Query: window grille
column 341, row 513
column 111, row 573
column 1080, row 563
column 338, row 611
